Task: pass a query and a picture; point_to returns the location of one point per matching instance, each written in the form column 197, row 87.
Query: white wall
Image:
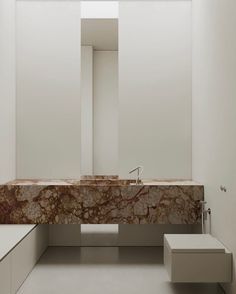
column 48, row 89
column 155, row 88
column 86, row 110
column 105, row 112
column 214, row 113
column 7, row 90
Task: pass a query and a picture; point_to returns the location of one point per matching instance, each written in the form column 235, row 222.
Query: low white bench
column 20, row 248
column 196, row 258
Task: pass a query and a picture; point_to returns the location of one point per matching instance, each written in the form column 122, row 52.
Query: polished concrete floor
column 106, row 270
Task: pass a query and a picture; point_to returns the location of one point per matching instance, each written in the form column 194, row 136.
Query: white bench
column 20, row 248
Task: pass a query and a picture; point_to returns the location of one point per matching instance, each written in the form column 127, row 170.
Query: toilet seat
column 194, row 243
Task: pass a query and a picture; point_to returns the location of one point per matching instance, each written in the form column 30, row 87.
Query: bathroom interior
column 117, row 146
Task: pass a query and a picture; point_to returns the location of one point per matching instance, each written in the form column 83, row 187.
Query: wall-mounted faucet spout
column 139, row 170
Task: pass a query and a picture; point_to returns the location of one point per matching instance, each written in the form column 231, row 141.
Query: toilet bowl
column 196, row 258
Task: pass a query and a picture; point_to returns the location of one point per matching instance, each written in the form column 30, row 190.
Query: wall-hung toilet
column 196, row 258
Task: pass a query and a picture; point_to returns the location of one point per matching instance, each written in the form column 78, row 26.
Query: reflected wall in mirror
column 99, row 89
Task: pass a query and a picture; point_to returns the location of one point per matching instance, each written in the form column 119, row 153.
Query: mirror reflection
column 99, row 90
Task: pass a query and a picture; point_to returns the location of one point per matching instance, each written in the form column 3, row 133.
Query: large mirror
column 89, row 102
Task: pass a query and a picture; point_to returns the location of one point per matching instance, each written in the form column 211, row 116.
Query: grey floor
column 106, row 270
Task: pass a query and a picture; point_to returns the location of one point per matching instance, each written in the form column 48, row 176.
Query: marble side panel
column 63, row 202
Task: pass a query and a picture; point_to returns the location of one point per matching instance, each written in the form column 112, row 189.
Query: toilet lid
column 193, row 243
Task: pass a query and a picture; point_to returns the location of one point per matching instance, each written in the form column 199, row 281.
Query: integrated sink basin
column 115, row 180
column 102, row 180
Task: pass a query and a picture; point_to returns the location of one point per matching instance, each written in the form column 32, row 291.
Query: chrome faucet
column 204, row 213
column 139, row 170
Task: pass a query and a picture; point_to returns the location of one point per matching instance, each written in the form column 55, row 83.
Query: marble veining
column 110, row 201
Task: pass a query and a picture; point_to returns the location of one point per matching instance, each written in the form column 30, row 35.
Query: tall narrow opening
column 99, row 103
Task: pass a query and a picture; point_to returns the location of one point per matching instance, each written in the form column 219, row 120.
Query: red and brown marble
column 100, row 201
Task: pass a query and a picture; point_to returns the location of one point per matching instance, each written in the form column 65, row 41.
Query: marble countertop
column 100, row 201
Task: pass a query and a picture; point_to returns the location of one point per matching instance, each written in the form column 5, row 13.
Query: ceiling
column 102, row 34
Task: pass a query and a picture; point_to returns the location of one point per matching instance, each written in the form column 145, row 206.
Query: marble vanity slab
column 111, row 201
